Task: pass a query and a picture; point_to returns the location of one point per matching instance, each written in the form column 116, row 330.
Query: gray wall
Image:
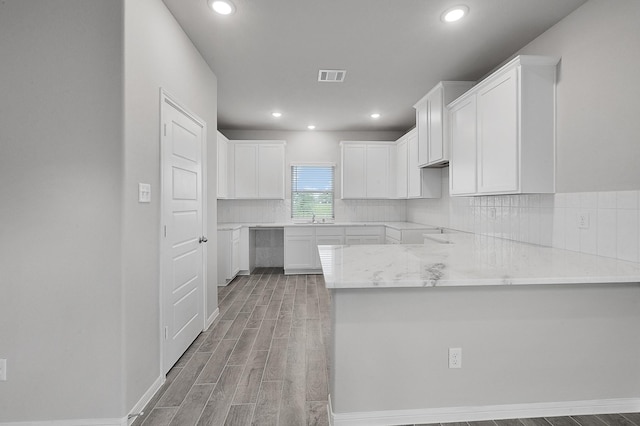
column 157, row 54
column 60, row 225
column 520, row 345
column 312, row 146
column 598, row 97
column 79, row 316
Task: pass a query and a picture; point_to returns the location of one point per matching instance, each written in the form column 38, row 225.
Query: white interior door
column 183, row 267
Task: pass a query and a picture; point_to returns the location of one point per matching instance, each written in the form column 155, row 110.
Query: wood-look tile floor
column 264, row 362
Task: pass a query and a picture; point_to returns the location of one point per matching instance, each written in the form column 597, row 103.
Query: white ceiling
column 267, row 55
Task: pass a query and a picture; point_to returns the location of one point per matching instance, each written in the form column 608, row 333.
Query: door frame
column 167, row 99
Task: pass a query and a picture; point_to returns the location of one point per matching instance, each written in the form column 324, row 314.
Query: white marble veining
column 462, row 259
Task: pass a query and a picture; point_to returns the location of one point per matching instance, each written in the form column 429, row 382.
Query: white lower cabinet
column 299, row 249
column 357, row 235
column 301, row 244
column 228, row 255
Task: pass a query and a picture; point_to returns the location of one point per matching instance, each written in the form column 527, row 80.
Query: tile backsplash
column 280, row 210
column 611, row 220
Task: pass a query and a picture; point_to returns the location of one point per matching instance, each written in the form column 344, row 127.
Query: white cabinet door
column 258, row 169
column 245, row 170
column 422, row 124
column 497, row 115
column 401, row 168
column 224, row 257
column 432, row 122
column 435, row 111
column 223, row 163
column 300, row 252
column 377, row 171
column 354, row 184
column 414, row 188
column 271, row 171
column 235, row 254
column 462, row 165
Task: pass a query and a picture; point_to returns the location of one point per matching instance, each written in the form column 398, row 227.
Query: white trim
column 212, row 318
column 75, row 422
column 317, row 164
column 486, row 412
column 144, row 400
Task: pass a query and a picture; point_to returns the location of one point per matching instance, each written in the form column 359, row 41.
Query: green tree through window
column 312, row 191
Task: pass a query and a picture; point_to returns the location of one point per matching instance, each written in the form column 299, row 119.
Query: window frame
column 332, row 166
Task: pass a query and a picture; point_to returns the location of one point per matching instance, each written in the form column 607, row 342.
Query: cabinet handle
column 203, row 239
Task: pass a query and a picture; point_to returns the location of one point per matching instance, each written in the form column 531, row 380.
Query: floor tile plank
column 180, row 387
column 241, row 352
column 249, row 383
column 317, row 414
column 213, row 369
column 268, row 404
column 215, row 412
column 192, row 407
column 240, row 415
column 160, row 416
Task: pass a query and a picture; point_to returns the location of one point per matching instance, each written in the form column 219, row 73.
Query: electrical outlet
column 583, row 220
column 455, row 357
column 3, row 370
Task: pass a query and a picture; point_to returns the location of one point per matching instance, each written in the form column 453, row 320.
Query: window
column 312, row 191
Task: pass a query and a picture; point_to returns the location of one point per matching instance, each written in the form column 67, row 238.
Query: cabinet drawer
column 299, row 231
column 330, row 231
column 363, row 230
column 394, row 233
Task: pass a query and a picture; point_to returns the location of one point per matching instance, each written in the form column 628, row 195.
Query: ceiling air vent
column 332, row 76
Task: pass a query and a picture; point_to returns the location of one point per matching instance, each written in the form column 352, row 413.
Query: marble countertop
column 396, row 225
column 462, row 259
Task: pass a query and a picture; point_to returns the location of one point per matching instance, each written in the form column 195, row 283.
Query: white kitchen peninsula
column 543, row 332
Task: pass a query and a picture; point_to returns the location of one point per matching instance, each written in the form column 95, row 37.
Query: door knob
column 203, row 239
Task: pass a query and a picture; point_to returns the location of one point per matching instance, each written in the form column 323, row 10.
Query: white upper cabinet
column 223, row 162
column 258, row 169
column 432, row 122
column 368, row 170
column 462, row 165
column 503, row 131
column 271, row 171
column 402, row 159
column 411, row 180
column 422, row 183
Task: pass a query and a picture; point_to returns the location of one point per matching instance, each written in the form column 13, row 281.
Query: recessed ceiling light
column 223, row 7
column 455, row 13
column 276, row 114
column 375, row 115
column 311, row 127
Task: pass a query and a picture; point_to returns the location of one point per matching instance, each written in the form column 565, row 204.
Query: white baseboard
column 212, row 318
column 78, row 422
column 146, row 398
column 488, row 412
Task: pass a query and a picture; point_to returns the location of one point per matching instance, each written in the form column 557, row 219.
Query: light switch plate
column 144, row 192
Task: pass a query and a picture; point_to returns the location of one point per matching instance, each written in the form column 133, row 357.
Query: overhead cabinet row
column 250, row 169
